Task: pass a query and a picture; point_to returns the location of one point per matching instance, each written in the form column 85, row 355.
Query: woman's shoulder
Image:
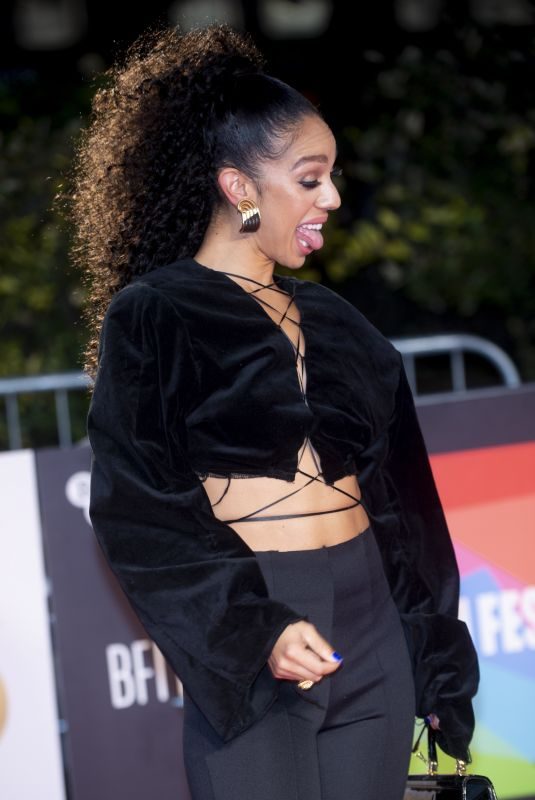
column 167, row 276
column 332, row 299
column 347, row 316
column 152, row 290
column 144, row 310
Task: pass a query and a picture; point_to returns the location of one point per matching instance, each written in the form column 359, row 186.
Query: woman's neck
column 234, row 252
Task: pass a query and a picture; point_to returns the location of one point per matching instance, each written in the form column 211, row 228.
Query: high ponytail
column 171, row 113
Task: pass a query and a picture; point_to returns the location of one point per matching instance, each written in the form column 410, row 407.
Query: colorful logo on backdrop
column 489, row 499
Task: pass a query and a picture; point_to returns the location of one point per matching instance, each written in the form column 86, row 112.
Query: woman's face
column 295, row 195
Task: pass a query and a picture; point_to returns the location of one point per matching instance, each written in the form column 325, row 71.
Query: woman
column 260, row 485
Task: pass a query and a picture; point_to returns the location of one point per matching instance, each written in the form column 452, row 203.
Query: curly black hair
column 170, row 113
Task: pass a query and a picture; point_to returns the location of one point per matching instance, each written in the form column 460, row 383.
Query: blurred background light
column 418, row 15
column 505, row 12
column 49, row 24
column 284, row 19
column 195, row 13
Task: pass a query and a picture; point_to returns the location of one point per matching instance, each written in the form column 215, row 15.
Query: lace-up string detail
column 299, row 360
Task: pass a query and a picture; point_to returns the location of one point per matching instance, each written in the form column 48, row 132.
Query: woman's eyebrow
column 320, row 159
column 306, row 159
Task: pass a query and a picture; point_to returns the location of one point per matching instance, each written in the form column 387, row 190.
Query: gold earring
column 250, row 216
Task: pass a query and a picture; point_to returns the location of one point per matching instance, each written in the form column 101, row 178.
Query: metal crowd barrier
column 456, row 345
column 59, row 383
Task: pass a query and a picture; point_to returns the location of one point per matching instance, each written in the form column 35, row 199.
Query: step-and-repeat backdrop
column 90, row 709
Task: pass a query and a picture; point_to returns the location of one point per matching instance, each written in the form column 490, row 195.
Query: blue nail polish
column 337, row 656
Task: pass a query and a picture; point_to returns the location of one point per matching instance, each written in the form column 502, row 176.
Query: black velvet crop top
column 196, row 378
column 290, row 316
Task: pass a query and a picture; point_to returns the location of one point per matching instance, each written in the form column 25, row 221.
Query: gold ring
column 306, row 684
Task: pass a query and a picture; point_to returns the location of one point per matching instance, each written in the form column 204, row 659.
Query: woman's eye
column 310, row 184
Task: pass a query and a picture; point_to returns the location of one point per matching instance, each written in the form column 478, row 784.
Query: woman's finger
column 295, row 655
column 321, row 646
column 296, row 675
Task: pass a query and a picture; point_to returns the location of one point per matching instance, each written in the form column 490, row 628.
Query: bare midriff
column 292, row 533
column 309, row 513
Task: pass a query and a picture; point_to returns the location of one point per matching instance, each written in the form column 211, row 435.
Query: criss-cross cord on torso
column 301, row 375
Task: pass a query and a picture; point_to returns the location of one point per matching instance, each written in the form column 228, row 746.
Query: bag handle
column 432, row 758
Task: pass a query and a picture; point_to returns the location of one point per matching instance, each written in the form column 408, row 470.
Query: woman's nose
column 330, row 198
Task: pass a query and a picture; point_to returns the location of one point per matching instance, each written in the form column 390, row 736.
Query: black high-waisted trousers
column 350, row 735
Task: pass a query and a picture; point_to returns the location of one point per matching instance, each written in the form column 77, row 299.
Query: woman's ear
column 234, row 185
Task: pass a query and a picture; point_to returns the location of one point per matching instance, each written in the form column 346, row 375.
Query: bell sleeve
column 426, row 583
column 194, row 584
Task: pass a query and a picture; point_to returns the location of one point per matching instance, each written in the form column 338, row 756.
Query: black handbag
column 449, row 787
column 435, row 786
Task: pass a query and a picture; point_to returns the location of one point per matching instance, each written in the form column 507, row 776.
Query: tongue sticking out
column 313, row 238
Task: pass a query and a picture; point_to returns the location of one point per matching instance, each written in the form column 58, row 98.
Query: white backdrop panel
column 30, row 749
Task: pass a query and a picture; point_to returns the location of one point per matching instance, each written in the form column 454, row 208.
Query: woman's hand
column 434, row 721
column 301, row 653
